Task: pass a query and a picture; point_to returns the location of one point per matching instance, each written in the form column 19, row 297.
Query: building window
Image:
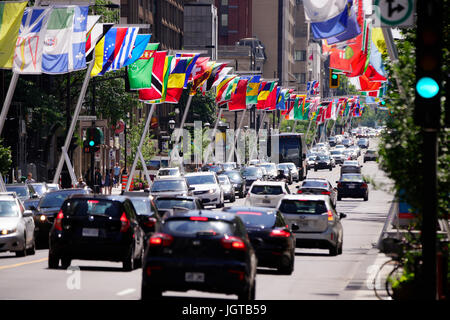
column 300, row 55
column 224, row 20
column 224, row 2
column 301, row 77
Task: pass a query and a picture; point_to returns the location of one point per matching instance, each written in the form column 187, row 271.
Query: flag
column 339, row 60
column 168, row 66
column 215, row 73
column 352, row 30
column 176, row 80
column 30, row 42
column 190, row 67
column 322, row 10
column 140, row 72
column 252, row 90
column 157, row 80
column 113, row 49
column 65, row 40
column 94, row 31
column 10, row 17
column 238, row 99
column 221, row 76
column 266, row 88
column 300, row 112
column 271, row 101
column 231, row 88
column 289, row 113
column 282, row 97
column 222, row 87
column 378, row 39
column 315, row 88
column 332, row 27
column 140, row 46
column 201, row 73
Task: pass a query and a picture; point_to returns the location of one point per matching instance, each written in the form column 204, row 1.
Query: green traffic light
column 334, row 76
column 91, row 143
column 427, row 87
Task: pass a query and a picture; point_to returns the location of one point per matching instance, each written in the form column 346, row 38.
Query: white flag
column 323, row 10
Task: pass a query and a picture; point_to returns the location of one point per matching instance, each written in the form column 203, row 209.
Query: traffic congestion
column 210, row 230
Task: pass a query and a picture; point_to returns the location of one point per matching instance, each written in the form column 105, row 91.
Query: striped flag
column 252, row 90
column 176, row 80
column 156, row 90
column 222, row 87
column 140, row 72
column 94, row 31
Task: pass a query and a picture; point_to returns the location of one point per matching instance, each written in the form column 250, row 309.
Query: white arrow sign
column 394, row 13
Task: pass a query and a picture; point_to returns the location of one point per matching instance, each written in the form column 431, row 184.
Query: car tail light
column 364, row 185
column 280, row 233
column 160, row 239
column 198, row 218
column 58, row 220
column 240, row 274
column 326, row 192
column 299, row 191
column 330, row 216
column 150, row 222
column 233, row 243
column 125, row 223
column 151, row 268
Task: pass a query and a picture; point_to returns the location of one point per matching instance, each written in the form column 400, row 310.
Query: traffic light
column 334, row 79
column 94, row 138
column 427, row 111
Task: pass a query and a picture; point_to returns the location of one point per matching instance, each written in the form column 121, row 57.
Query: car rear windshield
column 303, row 206
column 40, row 189
column 336, row 152
column 21, row 191
column 142, row 205
column 351, row 177
column 55, row 200
column 201, row 179
column 8, row 208
column 171, row 203
column 187, row 227
column 267, row 190
column 314, row 184
column 370, row 152
column 257, row 219
column 167, row 185
column 85, row 207
column 234, row 176
column 168, row 172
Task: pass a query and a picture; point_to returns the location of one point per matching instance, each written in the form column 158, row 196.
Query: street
column 317, row 276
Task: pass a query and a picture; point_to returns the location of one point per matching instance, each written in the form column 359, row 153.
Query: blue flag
column 332, row 27
column 139, row 47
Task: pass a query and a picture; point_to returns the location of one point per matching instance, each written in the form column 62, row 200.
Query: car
column 238, row 182
column 217, row 168
column 252, row 174
column 24, row 191
column 146, row 211
column 168, row 205
column 170, row 187
column 370, row 155
column 284, row 173
column 253, row 162
column 271, row 169
column 340, row 147
column 16, row 226
column 96, row 227
column 356, row 151
column 310, row 161
column 227, row 187
column 323, row 162
column 53, row 186
column 207, row 188
column 314, row 221
column 318, row 186
column 273, row 241
column 47, row 209
column 337, row 155
column 350, row 166
column 40, row 188
column 266, row 193
column 292, row 168
column 347, row 142
column 200, row 250
column 332, row 141
column 228, row 166
column 167, row 173
column 352, row 185
column 363, row 143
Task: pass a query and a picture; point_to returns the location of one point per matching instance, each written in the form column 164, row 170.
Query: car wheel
column 331, row 168
column 23, row 252
column 128, row 263
column 333, row 251
column 315, row 169
column 233, row 199
column 248, row 294
column 241, row 194
column 151, row 293
column 53, row 261
column 340, row 248
column 287, row 266
column 339, row 198
column 65, row 263
column 366, row 198
column 31, row 251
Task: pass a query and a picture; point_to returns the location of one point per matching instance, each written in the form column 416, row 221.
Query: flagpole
column 236, row 135
column 141, row 143
column 183, row 120
column 213, row 134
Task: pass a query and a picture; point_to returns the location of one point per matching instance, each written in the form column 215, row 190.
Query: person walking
column 97, row 181
column 108, row 182
column 117, row 170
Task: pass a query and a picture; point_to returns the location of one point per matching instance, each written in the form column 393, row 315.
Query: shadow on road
column 311, row 254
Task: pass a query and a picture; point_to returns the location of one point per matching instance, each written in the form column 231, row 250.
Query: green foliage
column 203, row 107
column 5, row 158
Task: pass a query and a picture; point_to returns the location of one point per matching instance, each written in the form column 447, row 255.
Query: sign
column 87, row 118
column 394, row 13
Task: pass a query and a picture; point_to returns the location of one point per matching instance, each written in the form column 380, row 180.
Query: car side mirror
column 28, row 213
column 298, row 187
column 295, row 227
column 191, row 189
column 33, row 208
column 342, row 215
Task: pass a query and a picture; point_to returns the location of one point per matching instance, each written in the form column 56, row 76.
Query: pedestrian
column 117, row 170
column 108, row 183
column 29, row 178
column 81, row 184
column 97, row 181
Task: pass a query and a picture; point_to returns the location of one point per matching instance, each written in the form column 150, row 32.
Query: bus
column 292, row 148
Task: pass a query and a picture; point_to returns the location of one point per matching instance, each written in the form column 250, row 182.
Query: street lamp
column 171, row 128
column 222, row 126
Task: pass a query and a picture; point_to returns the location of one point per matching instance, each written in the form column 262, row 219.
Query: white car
column 266, row 194
column 165, row 173
column 206, row 188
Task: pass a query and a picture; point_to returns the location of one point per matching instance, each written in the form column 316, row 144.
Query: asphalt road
column 316, row 276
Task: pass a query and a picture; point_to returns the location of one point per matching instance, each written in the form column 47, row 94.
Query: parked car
column 16, row 226
column 170, row 187
column 350, row 166
column 252, row 174
column 207, row 188
column 168, row 205
column 314, row 221
column 352, row 185
column 238, row 182
column 270, row 236
column 266, row 193
column 47, row 209
column 227, row 187
column 165, row 173
column 200, row 250
column 96, row 227
column 370, row 155
column 323, row 162
column 318, row 186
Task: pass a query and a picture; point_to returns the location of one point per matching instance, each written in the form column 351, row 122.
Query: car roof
column 15, row 184
column 65, row 190
column 171, row 168
column 135, row 194
column 269, row 183
column 175, row 198
column 305, row 197
column 99, row 197
column 315, row 179
column 171, row 179
column 204, row 173
column 218, row 215
column 251, row 209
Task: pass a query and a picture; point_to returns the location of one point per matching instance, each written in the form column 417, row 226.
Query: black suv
column 200, row 250
column 90, row 227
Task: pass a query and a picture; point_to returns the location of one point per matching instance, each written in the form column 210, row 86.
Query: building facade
column 235, row 20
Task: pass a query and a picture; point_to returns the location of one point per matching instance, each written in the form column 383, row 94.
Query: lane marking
column 22, row 264
column 126, row 291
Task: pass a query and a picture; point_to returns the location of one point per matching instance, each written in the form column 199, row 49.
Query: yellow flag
column 378, row 39
column 10, row 18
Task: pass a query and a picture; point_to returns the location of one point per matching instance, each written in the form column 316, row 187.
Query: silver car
column 170, row 187
column 314, row 222
column 16, row 226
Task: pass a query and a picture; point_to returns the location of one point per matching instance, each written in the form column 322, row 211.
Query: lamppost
column 222, row 126
column 207, row 126
column 171, row 128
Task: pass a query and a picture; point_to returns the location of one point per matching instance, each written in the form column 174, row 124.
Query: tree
column 5, row 158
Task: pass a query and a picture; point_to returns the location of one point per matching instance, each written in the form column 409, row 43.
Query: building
column 235, row 20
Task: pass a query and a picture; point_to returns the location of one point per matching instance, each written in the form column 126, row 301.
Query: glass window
column 168, row 185
column 171, row 203
column 303, row 207
column 300, row 55
column 55, row 199
column 8, row 209
column 84, row 207
column 142, row 206
column 224, row 20
column 315, row 184
column 21, row 191
column 267, row 190
column 257, row 219
column 189, row 227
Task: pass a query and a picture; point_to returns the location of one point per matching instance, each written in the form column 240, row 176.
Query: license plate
column 351, row 186
column 89, row 232
column 266, row 201
column 194, row 277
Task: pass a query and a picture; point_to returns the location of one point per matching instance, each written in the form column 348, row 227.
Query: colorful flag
column 176, row 80
column 157, row 80
column 281, row 101
column 140, row 72
column 265, row 89
column 215, row 73
column 252, row 90
column 322, row 10
column 94, row 31
column 222, row 87
column 350, row 32
column 238, row 99
column 112, row 51
column 231, row 88
column 331, row 27
column 10, row 17
column 190, row 67
column 140, row 46
column 30, row 42
column 271, row 101
column 201, row 73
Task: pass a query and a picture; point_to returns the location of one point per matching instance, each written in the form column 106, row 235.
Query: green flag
column 140, row 72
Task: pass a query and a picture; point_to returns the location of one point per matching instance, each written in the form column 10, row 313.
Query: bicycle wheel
column 393, row 276
column 383, row 273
